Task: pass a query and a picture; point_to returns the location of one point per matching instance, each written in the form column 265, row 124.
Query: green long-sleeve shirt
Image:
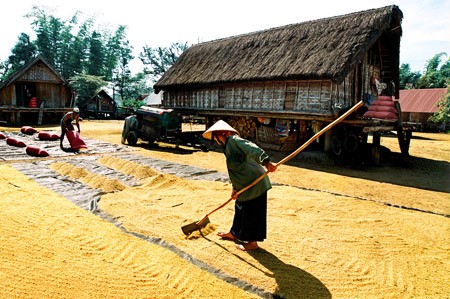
column 244, row 160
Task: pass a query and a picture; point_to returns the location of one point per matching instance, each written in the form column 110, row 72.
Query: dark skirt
column 250, row 219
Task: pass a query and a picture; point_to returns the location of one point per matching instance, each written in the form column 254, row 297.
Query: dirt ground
column 106, row 223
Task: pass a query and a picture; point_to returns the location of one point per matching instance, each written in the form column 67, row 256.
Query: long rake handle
column 287, row 158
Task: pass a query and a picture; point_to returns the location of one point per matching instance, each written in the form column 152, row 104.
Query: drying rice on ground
column 51, row 248
column 331, row 234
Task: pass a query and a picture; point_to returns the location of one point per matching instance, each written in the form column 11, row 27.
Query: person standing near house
column 66, row 123
column 245, row 161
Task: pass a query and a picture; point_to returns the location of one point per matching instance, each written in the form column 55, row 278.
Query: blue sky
column 426, row 23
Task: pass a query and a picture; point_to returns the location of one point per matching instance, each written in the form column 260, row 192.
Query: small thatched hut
column 34, row 93
column 101, row 105
column 277, row 85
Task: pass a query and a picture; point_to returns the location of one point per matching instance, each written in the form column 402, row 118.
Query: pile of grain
column 91, row 179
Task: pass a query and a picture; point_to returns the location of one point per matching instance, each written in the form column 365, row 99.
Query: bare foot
column 226, row 236
column 248, row 246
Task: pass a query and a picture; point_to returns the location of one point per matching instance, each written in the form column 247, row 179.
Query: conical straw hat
column 220, row 125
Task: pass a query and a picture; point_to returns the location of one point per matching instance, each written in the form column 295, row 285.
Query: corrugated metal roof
column 153, row 99
column 421, row 100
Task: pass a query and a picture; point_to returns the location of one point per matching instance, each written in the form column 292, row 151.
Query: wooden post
column 41, row 113
column 403, row 139
column 13, row 117
column 327, row 145
column 376, row 142
column 18, row 119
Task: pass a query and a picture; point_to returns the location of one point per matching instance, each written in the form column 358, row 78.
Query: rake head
column 191, row 227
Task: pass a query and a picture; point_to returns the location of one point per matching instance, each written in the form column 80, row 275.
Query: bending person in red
column 66, row 124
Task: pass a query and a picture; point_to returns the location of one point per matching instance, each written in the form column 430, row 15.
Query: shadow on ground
column 292, row 282
column 420, row 172
column 416, row 172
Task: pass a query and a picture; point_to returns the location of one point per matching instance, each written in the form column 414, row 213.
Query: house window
column 289, row 98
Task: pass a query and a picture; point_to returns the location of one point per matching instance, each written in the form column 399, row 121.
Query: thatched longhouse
column 273, row 83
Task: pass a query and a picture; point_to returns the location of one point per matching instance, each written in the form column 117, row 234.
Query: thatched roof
column 321, row 49
column 22, row 70
column 104, row 94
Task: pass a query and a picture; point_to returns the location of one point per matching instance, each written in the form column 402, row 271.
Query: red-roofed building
column 419, row 104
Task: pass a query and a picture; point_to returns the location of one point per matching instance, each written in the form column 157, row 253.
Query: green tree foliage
column 64, row 43
column 158, row 60
column 408, row 79
column 96, row 55
column 443, row 115
column 435, row 76
column 133, row 103
column 122, row 51
column 23, row 52
column 79, row 59
column 48, row 39
column 136, row 87
column 59, row 42
column 78, row 50
column 3, row 69
column 112, row 53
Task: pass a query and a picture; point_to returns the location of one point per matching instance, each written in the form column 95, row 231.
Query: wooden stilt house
column 35, row 94
column 101, row 106
column 279, row 86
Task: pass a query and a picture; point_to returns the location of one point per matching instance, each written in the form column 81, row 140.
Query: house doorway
column 24, row 92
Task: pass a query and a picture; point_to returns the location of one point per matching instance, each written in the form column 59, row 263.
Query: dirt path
column 332, row 232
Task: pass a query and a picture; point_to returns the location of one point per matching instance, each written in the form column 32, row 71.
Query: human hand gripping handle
column 271, row 167
column 234, row 194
